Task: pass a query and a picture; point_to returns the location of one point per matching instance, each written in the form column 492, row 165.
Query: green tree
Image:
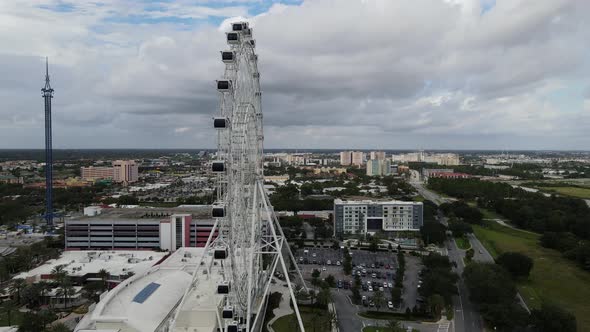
column 394, row 326
column 330, row 280
column 436, row 303
column 551, row 318
column 396, row 295
column 378, row 299
column 315, row 277
column 519, row 265
column 17, row 286
column 104, row 276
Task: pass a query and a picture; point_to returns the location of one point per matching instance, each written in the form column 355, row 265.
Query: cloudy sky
column 445, row 74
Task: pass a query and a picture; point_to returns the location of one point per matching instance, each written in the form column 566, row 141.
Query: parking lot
column 376, row 269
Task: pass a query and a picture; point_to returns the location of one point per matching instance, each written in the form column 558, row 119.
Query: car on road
column 390, row 285
column 339, row 284
column 371, row 304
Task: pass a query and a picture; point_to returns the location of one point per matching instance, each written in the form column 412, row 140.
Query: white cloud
column 371, row 73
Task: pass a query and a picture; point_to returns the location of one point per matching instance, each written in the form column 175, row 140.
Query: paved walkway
column 283, row 308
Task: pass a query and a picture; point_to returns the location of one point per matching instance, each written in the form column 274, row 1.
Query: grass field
column 319, row 318
column 462, row 243
column 379, row 329
column 577, row 192
column 553, row 278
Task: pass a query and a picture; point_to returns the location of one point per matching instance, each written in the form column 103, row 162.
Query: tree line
column 563, row 222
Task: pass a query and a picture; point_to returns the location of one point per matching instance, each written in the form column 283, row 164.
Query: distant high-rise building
column 345, row 158
column 378, row 167
column 379, row 155
column 125, row 171
column 358, row 158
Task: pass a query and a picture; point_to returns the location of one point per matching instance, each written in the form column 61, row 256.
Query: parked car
column 390, row 305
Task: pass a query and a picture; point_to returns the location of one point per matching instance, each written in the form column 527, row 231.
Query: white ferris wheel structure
column 246, row 244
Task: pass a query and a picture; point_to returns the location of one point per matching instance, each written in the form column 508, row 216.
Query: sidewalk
column 284, row 308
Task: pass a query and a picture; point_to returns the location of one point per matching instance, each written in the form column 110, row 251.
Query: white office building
column 369, row 216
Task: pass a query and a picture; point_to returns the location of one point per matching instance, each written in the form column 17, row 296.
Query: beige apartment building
column 125, row 171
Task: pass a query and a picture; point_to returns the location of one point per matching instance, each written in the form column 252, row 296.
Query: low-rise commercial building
column 370, row 216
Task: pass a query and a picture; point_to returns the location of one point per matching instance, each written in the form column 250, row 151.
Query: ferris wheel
column 250, row 243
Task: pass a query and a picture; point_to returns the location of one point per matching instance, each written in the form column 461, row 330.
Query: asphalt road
column 349, row 321
column 467, row 318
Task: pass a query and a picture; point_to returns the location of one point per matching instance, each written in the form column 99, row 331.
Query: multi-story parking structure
column 140, row 229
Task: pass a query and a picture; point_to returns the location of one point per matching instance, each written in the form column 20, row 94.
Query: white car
column 329, row 262
column 338, row 263
column 390, row 285
column 381, row 288
column 324, row 268
column 384, row 285
column 390, row 305
column 313, row 255
column 370, row 288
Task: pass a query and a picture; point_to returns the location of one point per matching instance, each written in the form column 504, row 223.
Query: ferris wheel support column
column 280, row 254
column 272, row 272
column 289, row 251
column 252, row 256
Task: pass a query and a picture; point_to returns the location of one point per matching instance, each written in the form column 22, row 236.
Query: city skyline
column 141, row 74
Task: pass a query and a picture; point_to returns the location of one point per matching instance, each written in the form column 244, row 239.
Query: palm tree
column 104, row 276
column 394, row 326
column 17, row 285
column 9, row 307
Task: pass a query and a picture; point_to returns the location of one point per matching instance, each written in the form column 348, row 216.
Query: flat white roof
column 145, row 300
column 80, row 263
column 368, row 201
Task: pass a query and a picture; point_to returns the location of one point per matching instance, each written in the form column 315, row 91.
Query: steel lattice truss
column 250, row 243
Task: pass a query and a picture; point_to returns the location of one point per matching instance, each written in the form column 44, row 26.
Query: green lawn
column 380, row 329
column 319, row 318
column 578, row 192
column 553, row 278
column 387, row 315
column 462, row 243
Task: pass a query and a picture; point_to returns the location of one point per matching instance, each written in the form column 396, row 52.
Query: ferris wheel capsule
column 228, row 312
column 218, row 166
column 220, row 122
column 224, row 85
column 239, row 26
column 232, row 327
column 228, row 56
column 233, row 38
column 218, row 211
